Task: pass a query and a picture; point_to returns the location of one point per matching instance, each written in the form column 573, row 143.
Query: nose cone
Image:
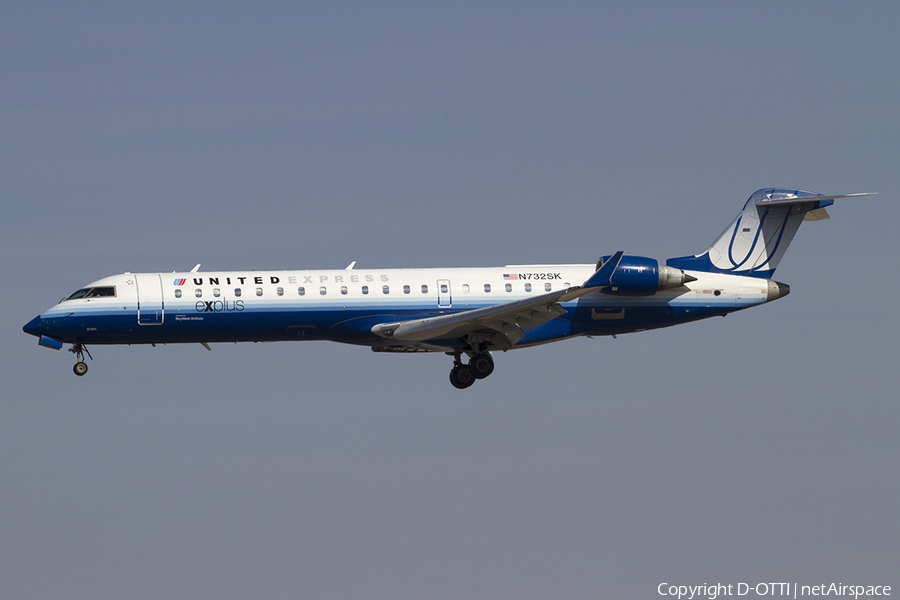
column 777, row 290
column 34, row 326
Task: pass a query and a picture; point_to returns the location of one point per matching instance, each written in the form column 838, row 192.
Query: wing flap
column 522, row 313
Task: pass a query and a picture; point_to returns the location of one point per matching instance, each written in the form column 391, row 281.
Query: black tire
column 481, row 365
column 461, row 377
column 80, row 368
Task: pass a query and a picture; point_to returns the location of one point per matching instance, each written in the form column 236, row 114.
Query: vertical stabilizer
column 756, row 240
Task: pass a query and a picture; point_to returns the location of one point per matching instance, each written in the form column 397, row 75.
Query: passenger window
column 444, row 288
column 178, row 293
column 216, row 292
column 385, row 289
column 487, row 288
column 527, row 287
column 424, row 289
column 198, row 292
column 508, row 287
column 547, row 287
column 301, row 291
column 405, row 289
column 280, row 291
column 344, row 290
column 259, row 291
column 365, row 289
column 322, row 291
column 237, row 292
column 465, row 288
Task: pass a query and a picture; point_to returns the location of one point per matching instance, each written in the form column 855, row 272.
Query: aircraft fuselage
column 343, row 306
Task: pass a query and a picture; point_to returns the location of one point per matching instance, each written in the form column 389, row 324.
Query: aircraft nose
column 34, row 326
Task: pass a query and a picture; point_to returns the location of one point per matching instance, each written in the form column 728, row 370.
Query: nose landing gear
column 464, row 375
column 79, row 350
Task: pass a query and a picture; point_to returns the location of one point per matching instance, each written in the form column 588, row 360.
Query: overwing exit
column 462, row 312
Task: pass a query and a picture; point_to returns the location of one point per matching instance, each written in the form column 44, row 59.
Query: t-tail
column 758, row 237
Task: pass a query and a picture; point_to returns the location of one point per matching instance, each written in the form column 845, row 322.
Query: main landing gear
column 79, row 350
column 464, row 375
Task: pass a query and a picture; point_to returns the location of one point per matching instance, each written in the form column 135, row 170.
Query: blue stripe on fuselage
column 188, row 321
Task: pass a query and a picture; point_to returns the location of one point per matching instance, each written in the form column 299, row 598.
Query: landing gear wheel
column 461, row 377
column 79, row 350
column 481, row 365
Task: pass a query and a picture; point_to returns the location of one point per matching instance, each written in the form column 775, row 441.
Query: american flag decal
column 511, row 277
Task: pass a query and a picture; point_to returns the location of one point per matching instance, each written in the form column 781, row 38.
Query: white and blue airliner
column 467, row 312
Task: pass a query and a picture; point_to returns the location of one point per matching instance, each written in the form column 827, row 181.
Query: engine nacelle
column 641, row 276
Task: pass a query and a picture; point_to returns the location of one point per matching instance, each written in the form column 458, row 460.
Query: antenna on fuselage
column 196, row 268
column 349, row 267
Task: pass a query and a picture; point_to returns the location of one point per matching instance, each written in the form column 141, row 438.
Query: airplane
column 458, row 311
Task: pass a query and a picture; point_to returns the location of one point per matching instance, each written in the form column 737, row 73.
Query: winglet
column 604, row 274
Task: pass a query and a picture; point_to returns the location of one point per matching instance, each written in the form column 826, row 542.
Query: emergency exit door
column 444, row 299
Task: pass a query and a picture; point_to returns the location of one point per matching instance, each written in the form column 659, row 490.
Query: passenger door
column 150, row 299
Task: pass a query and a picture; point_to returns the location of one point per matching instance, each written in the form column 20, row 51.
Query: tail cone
column 777, row 290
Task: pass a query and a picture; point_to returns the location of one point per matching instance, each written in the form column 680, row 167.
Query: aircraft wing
column 506, row 323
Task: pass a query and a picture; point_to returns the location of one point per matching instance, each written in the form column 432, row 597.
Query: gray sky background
column 151, row 137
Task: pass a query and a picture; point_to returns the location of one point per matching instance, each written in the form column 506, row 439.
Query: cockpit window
column 79, row 294
column 95, row 292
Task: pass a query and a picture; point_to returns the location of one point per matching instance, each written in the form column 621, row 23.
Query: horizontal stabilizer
column 798, row 200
